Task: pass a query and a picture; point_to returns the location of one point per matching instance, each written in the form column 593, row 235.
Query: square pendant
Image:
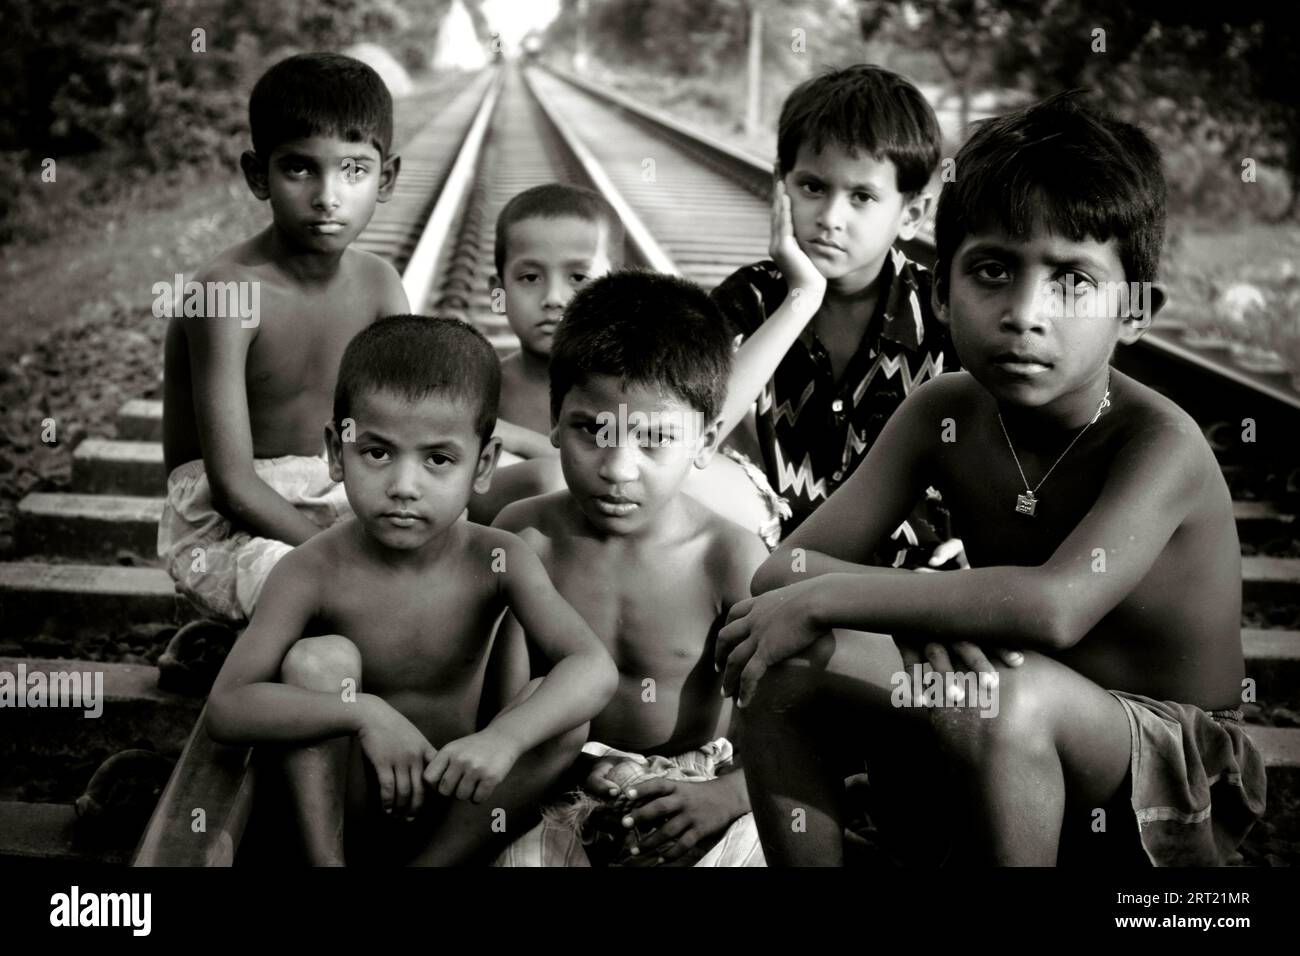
column 1026, row 503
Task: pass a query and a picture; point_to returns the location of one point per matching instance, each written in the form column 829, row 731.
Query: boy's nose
column 1025, row 307
column 830, row 215
column 558, row 293
column 619, row 464
column 327, row 196
column 402, row 482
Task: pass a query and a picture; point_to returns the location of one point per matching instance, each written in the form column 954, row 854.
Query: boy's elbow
column 1054, row 625
column 606, row 679
column 218, row 720
column 769, row 575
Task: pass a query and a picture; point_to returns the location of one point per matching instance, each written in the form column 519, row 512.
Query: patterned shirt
column 813, row 431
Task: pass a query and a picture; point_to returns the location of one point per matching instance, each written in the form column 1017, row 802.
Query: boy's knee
column 321, row 663
column 1021, row 720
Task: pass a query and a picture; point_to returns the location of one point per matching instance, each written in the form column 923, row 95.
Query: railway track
column 690, row 206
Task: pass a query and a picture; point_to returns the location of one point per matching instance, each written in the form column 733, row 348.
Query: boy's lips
column 402, row 519
column 327, row 227
column 1022, row 363
column 826, row 245
column 615, row 506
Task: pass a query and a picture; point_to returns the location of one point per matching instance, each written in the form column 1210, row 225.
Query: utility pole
column 754, row 92
column 580, row 47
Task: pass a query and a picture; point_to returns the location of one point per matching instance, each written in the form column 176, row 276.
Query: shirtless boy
column 372, row 639
column 245, row 401
column 1106, row 571
column 638, row 373
column 551, row 241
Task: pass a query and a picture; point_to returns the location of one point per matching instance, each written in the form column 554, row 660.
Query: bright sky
column 511, row 19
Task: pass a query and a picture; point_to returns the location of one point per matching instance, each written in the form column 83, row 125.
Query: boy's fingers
column 1010, row 656
column 450, row 780
column 666, row 837
column 482, row 791
column 739, row 609
column 736, row 661
column 937, row 654
column 654, row 787
column 402, row 787
column 436, row 768
column 386, row 787
column 652, row 811
column 750, row 677
column 973, row 657
column 417, row 793
column 468, row 783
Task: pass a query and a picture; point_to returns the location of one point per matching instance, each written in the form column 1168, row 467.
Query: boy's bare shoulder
column 243, row 261
column 734, row 554
column 1155, row 425
column 545, row 516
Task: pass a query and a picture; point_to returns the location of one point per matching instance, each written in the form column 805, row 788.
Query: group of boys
column 536, row 662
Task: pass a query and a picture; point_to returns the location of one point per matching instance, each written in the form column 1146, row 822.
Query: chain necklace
column 1027, row 503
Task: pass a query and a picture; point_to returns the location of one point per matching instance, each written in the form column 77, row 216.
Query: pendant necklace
column 1028, row 502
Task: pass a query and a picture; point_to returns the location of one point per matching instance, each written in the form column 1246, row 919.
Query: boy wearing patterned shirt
column 838, row 328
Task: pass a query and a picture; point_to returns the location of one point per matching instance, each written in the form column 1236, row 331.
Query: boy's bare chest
column 648, row 614
column 425, row 632
column 300, row 340
column 991, row 503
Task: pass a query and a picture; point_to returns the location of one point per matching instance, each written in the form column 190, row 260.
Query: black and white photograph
column 650, row 434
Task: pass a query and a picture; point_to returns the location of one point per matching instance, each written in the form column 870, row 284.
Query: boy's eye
column 863, row 197
column 439, row 459
column 811, row 186
column 375, row 454
column 990, row 272
column 295, row 170
column 528, row 277
column 354, row 171
column 579, row 277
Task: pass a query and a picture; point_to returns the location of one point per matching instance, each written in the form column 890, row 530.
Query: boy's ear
column 334, row 448
column 707, row 444
column 914, row 212
column 487, row 464
column 388, row 177
column 1140, row 314
column 255, row 174
column 939, row 294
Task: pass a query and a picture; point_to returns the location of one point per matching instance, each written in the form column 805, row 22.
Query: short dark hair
column 415, row 356
column 554, row 201
column 315, row 94
column 862, row 108
column 644, row 328
column 1065, row 165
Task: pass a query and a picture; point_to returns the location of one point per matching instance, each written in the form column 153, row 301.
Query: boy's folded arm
column 844, row 532
column 218, row 351
column 583, row 679
column 1151, row 486
column 248, row 704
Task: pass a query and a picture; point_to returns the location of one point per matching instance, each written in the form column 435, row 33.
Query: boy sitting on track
column 551, row 241
column 245, row 400
column 373, row 637
column 637, row 380
column 1107, row 573
column 838, row 329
